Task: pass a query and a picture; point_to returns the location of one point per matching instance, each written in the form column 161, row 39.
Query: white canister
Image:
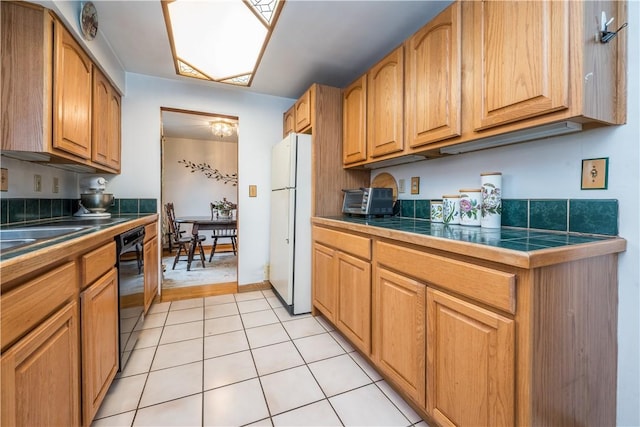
column 451, row 209
column 470, row 206
column 436, row 210
column 491, row 199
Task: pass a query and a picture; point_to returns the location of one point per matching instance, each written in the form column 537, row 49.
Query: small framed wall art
column 595, row 174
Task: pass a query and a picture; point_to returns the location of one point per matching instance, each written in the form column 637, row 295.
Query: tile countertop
column 107, row 227
column 513, row 246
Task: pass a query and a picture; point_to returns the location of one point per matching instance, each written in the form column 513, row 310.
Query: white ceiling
column 330, row 42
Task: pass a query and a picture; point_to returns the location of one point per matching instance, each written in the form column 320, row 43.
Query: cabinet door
column 354, row 300
column 99, row 310
column 433, row 80
column 325, row 280
column 40, row 374
column 100, row 126
column 385, row 105
column 72, row 96
column 151, row 265
column 470, row 363
column 105, row 131
column 399, row 331
column 303, row 111
column 115, row 142
column 289, row 121
column 354, row 122
column 521, row 60
column 26, row 43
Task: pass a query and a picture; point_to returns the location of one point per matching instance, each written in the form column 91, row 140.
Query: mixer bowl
column 96, row 202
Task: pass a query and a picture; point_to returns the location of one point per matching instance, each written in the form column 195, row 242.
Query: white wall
column 191, row 192
column 551, row 169
column 21, row 177
column 260, row 126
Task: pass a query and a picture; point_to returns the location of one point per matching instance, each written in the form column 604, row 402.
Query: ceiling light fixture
column 221, row 41
column 222, row 128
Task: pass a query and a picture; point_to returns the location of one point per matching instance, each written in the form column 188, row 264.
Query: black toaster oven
column 368, row 201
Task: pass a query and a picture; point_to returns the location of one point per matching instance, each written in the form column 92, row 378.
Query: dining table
column 199, row 223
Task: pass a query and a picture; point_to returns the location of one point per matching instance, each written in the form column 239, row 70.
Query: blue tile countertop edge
column 518, row 239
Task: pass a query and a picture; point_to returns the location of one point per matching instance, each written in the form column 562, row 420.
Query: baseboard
column 200, row 291
column 261, row 286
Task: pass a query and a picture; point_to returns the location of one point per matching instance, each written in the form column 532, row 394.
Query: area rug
column 222, row 269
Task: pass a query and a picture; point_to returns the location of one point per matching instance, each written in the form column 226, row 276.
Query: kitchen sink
column 12, row 243
column 16, row 238
column 47, row 232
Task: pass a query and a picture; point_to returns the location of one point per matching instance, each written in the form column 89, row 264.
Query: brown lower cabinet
column 399, row 330
column 59, row 323
column 346, row 272
column 43, row 367
column 151, row 265
column 99, row 308
column 470, row 341
column 470, row 354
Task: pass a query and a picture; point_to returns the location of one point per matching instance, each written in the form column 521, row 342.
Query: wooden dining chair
column 181, row 241
column 230, row 233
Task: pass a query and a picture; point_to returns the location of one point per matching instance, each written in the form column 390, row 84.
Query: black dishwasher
column 130, row 264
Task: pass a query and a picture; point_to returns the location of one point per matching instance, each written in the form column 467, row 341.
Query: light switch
column 37, row 183
column 253, row 190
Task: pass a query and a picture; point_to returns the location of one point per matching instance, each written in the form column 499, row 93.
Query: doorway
column 199, row 154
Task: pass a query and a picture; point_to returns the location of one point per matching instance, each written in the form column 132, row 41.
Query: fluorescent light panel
column 220, row 40
column 539, row 132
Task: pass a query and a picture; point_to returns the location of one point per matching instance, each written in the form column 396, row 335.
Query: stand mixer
column 94, row 201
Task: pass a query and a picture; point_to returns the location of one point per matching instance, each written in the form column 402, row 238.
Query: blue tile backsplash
column 22, row 210
column 590, row 216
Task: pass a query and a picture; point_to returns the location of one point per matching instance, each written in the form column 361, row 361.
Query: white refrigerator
column 290, row 224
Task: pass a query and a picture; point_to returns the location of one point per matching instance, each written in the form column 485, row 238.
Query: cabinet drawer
column 492, row 287
column 150, row 231
column 98, row 262
column 28, row 305
column 355, row 245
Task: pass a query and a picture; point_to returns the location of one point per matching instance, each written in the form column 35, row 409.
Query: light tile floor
column 236, row 360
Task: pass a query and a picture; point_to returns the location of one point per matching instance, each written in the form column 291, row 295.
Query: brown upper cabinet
column 433, row 82
column 487, row 68
column 385, row 105
column 106, row 123
column 288, row 121
column 304, row 111
column 519, row 49
column 354, row 119
column 328, row 177
column 72, row 96
column 47, row 105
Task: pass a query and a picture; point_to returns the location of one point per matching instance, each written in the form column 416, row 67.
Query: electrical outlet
column 37, row 183
column 253, row 190
column 401, row 184
column 415, row 185
column 4, row 181
column 56, row 185
column 266, row 272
